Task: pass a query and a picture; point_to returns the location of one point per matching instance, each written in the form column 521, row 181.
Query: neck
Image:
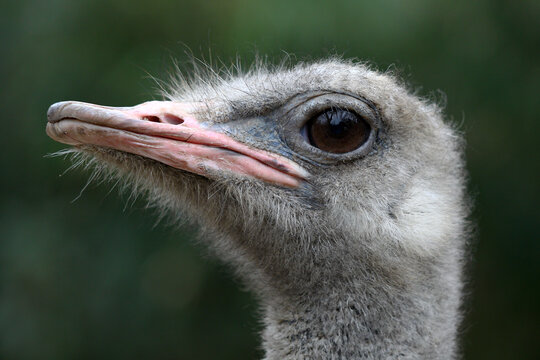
column 368, row 318
column 343, row 298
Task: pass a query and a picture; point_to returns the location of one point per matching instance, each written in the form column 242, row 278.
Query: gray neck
column 368, row 318
column 341, row 299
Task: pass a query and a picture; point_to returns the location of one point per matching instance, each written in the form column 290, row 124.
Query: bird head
column 295, row 174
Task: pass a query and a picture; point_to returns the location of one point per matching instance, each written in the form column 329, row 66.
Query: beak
column 167, row 132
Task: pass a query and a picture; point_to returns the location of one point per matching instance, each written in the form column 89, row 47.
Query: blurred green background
column 95, row 278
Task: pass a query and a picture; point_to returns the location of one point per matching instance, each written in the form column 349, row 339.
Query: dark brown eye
column 337, row 131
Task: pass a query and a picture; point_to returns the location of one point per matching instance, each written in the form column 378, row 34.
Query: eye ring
column 295, row 117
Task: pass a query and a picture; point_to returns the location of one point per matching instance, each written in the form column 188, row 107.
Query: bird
column 334, row 192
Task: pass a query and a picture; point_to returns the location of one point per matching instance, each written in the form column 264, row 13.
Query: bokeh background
column 96, row 278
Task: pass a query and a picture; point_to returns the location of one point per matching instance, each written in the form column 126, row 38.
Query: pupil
column 338, row 124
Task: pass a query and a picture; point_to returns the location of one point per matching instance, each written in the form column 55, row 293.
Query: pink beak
column 166, row 132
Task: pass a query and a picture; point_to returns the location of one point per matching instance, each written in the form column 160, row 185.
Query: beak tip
column 53, row 114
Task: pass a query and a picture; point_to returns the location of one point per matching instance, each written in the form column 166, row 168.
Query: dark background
column 94, row 278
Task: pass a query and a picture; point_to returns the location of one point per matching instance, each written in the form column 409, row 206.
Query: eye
column 337, row 131
column 328, row 127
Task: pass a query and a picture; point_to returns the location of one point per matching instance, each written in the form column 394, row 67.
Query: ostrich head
column 337, row 195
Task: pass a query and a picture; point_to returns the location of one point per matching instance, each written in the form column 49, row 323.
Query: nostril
column 164, row 119
column 172, row 119
column 151, row 118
